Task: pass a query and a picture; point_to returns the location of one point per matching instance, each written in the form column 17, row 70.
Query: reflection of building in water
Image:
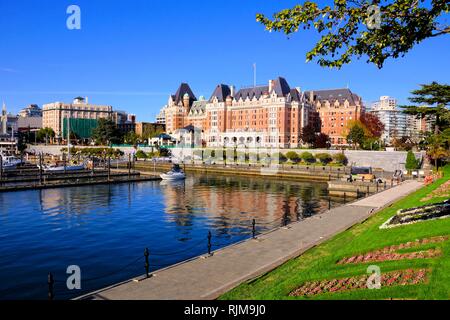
column 240, row 199
column 75, row 200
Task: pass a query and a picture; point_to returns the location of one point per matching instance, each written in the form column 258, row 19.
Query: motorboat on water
column 10, row 162
column 175, row 174
column 60, row 167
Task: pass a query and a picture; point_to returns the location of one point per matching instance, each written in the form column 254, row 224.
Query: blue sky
column 133, row 54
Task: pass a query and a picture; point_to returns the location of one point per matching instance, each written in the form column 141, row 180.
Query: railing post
column 65, row 164
column 329, row 203
column 209, row 242
column 1, row 168
column 392, row 182
column 368, row 190
column 147, row 264
column 129, row 165
column 357, row 193
column 345, row 197
column 254, row 228
column 50, row 282
column 93, row 165
column 40, row 168
column 377, row 185
column 384, row 184
column 109, row 167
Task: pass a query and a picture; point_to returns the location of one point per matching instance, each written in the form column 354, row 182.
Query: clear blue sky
column 132, row 54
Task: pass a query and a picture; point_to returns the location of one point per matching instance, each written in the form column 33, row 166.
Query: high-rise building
column 385, row 103
column 55, row 116
column 398, row 124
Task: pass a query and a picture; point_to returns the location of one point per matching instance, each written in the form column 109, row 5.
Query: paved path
column 209, row 277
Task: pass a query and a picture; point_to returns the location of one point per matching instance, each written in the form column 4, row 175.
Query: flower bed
column 418, row 214
column 390, row 253
column 394, row 278
column 442, row 191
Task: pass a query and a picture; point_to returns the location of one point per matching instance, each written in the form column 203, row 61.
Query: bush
column 340, row 158
column 324, row 158
column 307, row 157
column 293, row 156
column 141, row 154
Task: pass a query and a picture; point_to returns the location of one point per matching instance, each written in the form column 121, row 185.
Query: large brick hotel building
column 272, row 115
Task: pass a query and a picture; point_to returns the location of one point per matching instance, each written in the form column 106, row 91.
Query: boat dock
column 30, row 178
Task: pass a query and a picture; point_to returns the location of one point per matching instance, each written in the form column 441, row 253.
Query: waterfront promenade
column 207, row 277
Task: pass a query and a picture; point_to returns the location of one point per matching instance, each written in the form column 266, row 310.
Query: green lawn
column 319, row 263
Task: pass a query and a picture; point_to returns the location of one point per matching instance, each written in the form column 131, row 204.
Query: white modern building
column 396, row 123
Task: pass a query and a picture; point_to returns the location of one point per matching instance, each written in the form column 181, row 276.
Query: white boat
column 10, row 162
column 58, row 168
column 175, row 174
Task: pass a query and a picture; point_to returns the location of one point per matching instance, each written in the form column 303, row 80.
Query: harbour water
column 105, row 229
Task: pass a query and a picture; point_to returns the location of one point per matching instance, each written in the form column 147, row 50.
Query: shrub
column 293, row 156
column 307, row 157
column 324, row 158
column 141, row 154
column 340, row 158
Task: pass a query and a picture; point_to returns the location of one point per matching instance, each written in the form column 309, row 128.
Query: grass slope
column 320, row 262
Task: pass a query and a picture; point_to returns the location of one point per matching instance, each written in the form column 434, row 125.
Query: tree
column 45, row 134
column 141, row 154
column 307, row 157
column 106, row 132
column 152, row 131
column 322, row 141
column 437, row 149
column 436, row 98
column 356, row 135
column 293, row 156
column 411, row 162
column 373, row 124
column 340, row 158
column 438, row 146
column 131, row 138
column 403, row 143
column 308, row 134
column 324, row 158
column 356, row 28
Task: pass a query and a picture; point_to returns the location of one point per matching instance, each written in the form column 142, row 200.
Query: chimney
column 232, row 91
column 270, row 85
column 87, row 100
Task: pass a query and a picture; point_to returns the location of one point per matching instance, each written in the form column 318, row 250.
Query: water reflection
column 101, row 228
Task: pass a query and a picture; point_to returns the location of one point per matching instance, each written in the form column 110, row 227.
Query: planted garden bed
column 394, row 278
column 418, row 214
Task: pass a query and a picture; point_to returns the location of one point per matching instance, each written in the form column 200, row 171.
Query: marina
column 104, row 228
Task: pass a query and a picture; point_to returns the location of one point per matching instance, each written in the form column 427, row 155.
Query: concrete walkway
column 209, row 277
